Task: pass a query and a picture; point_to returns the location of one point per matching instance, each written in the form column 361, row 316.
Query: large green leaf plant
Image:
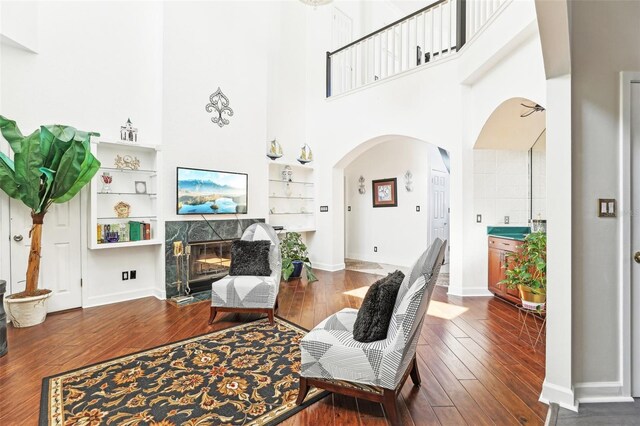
column 293, row 249
column 528, row 266
column 51, row 165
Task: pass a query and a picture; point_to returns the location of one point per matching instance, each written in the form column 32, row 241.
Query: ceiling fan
column 531, row 109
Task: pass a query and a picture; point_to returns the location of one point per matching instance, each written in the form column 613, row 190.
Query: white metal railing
column 425, row 36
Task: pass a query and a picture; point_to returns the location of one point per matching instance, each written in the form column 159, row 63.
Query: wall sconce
column 408, row 181
column 361, row 188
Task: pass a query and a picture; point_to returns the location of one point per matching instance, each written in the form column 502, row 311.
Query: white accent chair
column 250, row 294
column 376, row 371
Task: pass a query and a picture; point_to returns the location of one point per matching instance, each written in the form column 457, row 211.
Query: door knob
column 17, row 238
column 636, row 257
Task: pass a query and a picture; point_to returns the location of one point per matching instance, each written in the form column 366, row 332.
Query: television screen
column 211, row 192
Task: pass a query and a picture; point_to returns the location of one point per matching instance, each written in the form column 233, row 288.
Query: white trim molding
column 624, row 233
column 328, row 266
column 469, row 292
column 590, row 392
column 122, row 296
column 564, row 397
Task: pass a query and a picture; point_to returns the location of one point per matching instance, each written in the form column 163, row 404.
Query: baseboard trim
column 564, row 397
column 329, row 267
column 469, row 292
column 119, row 297
column 593, row 392
column 159, row 294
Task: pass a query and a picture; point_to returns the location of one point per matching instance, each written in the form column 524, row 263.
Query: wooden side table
column 534, row 334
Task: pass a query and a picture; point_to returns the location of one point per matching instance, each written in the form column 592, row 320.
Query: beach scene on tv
column 211, row 192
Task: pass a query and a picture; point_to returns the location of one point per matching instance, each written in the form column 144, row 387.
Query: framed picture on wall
column 385, row 192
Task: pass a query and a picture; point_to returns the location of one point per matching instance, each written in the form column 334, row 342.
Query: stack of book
column 123, row 232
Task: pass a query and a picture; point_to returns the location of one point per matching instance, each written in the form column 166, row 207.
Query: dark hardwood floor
column 474, row 369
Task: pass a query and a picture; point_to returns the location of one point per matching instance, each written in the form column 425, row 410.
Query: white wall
column 596, row 174
column 97, row 65
column 399, row 233
column 501, row 186
column 20, row 24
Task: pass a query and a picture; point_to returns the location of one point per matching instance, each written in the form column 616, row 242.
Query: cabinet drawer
column 503, row 244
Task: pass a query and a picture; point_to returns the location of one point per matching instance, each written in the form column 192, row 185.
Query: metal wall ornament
column 361, row 188
column 219, row 103
column 127, row 162
column 408, row 181
column 122, row 210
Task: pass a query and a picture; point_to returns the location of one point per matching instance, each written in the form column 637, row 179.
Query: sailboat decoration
column 275, row 150
column 306, row 155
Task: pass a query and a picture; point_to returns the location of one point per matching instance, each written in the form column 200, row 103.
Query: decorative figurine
column 127, row 162
column 128, row 133
column 306, row 155
column 287, row 174
column 275, row 150
column 107, row 179
column 122, row 209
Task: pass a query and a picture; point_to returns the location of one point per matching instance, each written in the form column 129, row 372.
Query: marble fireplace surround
column 192, row 231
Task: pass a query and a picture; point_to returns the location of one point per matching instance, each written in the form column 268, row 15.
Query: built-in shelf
column 128, row 193
column 117, row 170
column 291, row 198
column 128, row 244
column 291, row 181
column 289, row 195
column 144, row 207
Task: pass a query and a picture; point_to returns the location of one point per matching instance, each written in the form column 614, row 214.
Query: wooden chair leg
column 390, row 405
column 270, row 314
column 415, row 374
column 302, row 390
column 213, row 314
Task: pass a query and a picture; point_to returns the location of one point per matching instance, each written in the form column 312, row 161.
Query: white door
column 60, row 267
column 635, row 238
column 440, row 208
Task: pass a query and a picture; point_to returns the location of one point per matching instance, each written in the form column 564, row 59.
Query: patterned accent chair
column 376, row 371
column 250, row 294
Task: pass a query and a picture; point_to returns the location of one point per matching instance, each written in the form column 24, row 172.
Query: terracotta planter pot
column 27, row 311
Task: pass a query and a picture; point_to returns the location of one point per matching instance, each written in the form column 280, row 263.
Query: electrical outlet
column 478, row 218
column 125, row 276
column 132, row 275
column 417, row 208
column 375, row 249
column 349, row 208
column 506, row 220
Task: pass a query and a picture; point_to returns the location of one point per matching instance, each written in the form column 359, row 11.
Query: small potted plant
column 51, row 165
column 294, row 257
column 526, row 270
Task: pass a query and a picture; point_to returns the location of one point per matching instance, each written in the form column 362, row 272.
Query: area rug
column 243, row 375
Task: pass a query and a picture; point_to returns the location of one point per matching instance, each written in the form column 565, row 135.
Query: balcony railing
column 427, row 35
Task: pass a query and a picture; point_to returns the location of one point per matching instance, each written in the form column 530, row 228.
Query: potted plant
column 51, row 165
column 294, row 257
column 526, row 269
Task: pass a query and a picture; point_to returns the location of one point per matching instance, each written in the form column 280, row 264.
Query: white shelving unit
column 292, row 202
column 145, row 207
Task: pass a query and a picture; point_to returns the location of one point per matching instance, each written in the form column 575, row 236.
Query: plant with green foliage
column 292, row 248
column 51, row 165
column 528, row 266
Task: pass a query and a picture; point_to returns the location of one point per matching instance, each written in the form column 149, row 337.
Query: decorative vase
column 106, row 182
column 297, row 269
column 3, row 320
column 27, row 311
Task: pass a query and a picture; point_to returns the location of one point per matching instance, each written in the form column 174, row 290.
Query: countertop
column 516, row 233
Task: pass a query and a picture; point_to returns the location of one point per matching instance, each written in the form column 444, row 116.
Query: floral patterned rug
column 243, row 375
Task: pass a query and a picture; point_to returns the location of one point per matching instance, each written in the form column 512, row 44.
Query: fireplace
column 204, row 242
column 208, row 261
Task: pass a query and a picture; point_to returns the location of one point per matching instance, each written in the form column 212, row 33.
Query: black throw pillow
column 375, row 313
column 250, row 258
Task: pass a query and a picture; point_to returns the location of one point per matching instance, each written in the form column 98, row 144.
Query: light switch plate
column 478, row 218
column 506, row 220
column 606, row 207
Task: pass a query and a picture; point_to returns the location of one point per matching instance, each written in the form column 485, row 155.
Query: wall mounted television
column 211, row 192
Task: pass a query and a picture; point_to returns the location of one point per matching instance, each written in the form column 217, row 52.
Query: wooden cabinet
column 499, row 248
